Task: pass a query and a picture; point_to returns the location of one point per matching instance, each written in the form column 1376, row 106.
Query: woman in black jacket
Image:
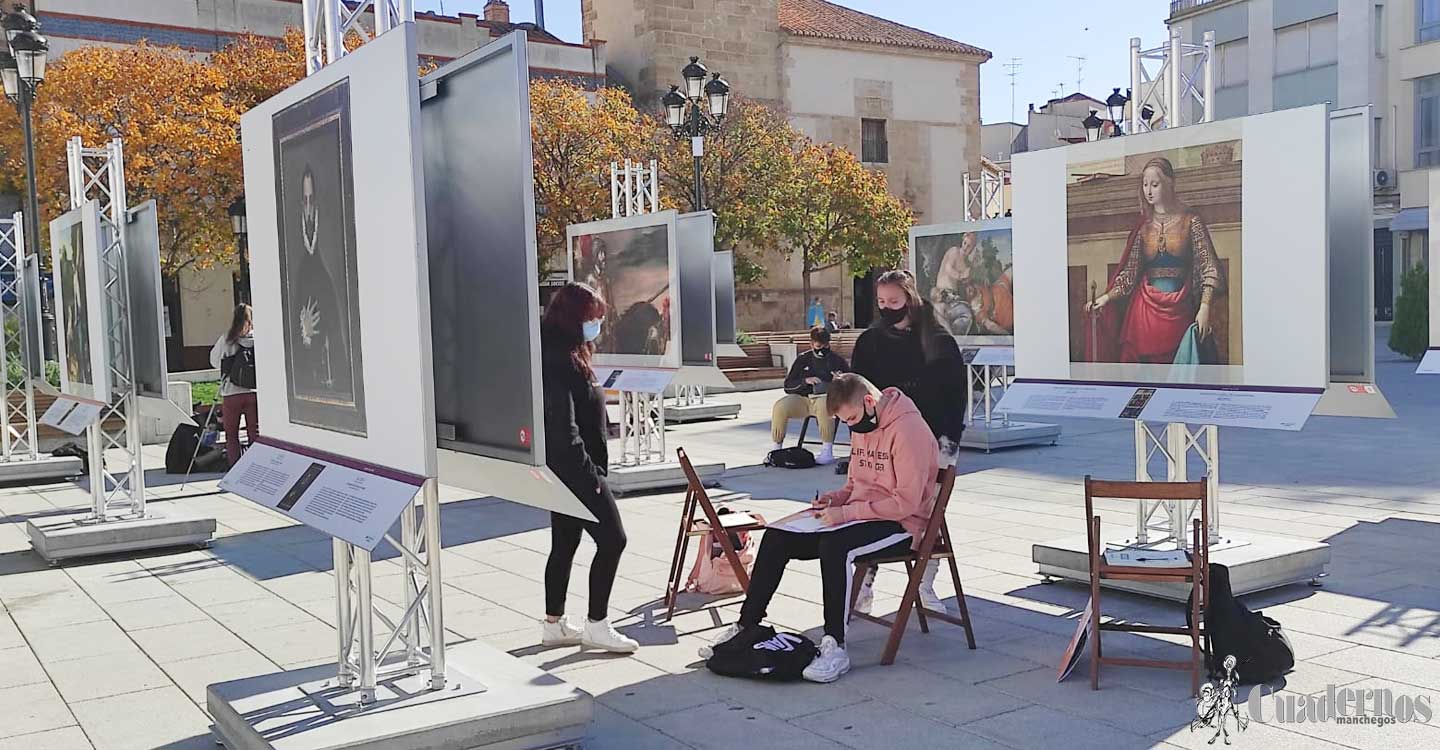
column 908, row 349
column 575, row 434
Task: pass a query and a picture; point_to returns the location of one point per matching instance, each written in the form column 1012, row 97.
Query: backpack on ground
column 773, row 656
column 791, row 458
column 712, row 572
column 1262, row 651
column 240, row 367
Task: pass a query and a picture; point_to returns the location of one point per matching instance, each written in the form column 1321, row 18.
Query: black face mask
column 867, row 423
column 891, row 316
column 821, row 351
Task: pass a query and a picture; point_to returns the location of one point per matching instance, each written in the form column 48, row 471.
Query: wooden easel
column 696, row 498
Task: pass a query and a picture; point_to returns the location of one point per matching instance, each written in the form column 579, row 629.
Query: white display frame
column 88, row 217
column 965, row 227
column 671, row 359
column 1285, row 163
column 391, row 258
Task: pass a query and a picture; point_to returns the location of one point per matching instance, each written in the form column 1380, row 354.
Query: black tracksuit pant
column 836, row 550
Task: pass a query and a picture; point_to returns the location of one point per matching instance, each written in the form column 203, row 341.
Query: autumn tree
column 575, row 136
column 745, row 170
column 178, row 132
column 836, row 212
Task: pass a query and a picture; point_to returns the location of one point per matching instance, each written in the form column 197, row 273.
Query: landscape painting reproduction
column 630, row 268
column 968, row 277
column 319, row 297
column 1154, row 258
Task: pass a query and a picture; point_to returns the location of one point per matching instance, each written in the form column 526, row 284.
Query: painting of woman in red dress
column 1160, row 295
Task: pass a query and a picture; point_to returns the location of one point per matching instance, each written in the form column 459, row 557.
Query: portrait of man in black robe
column 320, row 298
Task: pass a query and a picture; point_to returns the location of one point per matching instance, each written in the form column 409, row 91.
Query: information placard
column 71, row 414
column 54, row 415
column 1265, row 410
column 633, row 379
column 995, row 356
column 1065, row 399
column 345, row 499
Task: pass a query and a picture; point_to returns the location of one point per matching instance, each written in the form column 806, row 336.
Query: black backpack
column 775, row 656
column 791, row 458
column 240, row 367
column 1262, row 651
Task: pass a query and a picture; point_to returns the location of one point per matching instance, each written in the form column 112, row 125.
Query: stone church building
column 906, row 101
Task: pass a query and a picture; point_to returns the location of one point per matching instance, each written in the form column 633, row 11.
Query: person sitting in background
column 883, row 508
column 832, row 323
column 804, row 394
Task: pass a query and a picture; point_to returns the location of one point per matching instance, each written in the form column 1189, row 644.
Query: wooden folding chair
column 1196, row 573
column 935, row 544
column 696, row 498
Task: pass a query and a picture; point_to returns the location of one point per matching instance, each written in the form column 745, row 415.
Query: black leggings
column 609, row 536
column 836, row 550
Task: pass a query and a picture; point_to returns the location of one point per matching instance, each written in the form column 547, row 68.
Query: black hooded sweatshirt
column 575, row 421
column 891, row 357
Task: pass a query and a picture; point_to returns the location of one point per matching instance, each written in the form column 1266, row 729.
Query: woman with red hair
column 575, row 434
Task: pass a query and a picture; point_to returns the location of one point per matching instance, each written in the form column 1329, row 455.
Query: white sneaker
column 601, row 635
column 866, row 600
column 776, row 446
column 729, row 631
column 827, row 455
column 928, row 598
column 830, row 664
column 562, row 632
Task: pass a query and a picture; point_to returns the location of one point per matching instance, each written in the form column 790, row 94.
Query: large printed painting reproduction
column 632, row 270
column 74, row 248
column 319, row 297
column 1155, row 258
column 967, row 272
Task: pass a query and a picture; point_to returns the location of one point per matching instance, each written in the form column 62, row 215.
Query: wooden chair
column 935, row 544
column 1197, row 573
column 697, row 499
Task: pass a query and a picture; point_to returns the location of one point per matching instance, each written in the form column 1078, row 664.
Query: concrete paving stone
column 723, row 726
column 67, row 738
column 194, row 675
column 1144, row 714
column 291, row 646
column 33, row 708
column 941, row 657
column 171, row 643
column 1378, row 634
column 79, row 641
column 18, row 666
column 1308, row 678
column 1386, row 664
column 481, row 623
column 612, row 730
column 154, row 613
column 129, row 722
column 1255, row 734
column 1041, row 726
column 108, row 591
column 104, row 676
column 639, row 690
column 1412, row 734
column 927, row 694
column 260, row 614
column 875, row 724
column 55, row 609
column 9, row 632
column 208, row 593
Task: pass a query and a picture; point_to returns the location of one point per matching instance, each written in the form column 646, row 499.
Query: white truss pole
column 1208, row 75
column 1139, row 93
column 327, row 21
column 20, row 442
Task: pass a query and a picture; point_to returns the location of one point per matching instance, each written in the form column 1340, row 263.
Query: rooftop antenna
column 1013, row 70
column 1079, row 70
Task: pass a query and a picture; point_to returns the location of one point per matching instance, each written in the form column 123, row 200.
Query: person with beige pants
column 804, row 395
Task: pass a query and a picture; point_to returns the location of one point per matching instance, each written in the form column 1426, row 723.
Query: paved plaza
column 116, row 653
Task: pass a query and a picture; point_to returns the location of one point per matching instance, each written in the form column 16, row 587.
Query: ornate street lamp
column 1092, row 126
column 22, row 70
column 685, row 113
column 1115, row 104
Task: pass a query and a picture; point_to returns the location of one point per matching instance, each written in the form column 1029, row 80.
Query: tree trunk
column 805, row 291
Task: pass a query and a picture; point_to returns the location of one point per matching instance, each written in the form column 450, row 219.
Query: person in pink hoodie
column 883, row 508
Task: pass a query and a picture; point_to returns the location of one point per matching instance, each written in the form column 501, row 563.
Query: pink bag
column 712, row 572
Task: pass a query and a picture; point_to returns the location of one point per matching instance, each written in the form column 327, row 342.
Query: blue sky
column 1044, row 34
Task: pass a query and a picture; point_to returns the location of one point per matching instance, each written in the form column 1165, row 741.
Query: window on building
column 1427, row 20
column 1379, row 31
column 874, row 148
column 1234, row 63
column 1313, row 44
column 1427, row 121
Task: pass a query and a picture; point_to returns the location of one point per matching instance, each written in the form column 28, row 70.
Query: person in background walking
column 815, row 314
column 907, row 348
column 230, row 355
column 575, row 449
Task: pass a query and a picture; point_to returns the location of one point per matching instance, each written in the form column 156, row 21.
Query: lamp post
column 1115, row 105
column 242, row 245
column 686, row 113
column 1092, row 125
column 22, row 70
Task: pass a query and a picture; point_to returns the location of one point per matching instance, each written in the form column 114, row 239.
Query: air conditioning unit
column 1384, row 178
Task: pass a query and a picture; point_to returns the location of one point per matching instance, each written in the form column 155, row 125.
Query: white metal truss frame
column 1171, row 518
column 119, row 494
column 642, row 428
column 414, row 641
column 18, row 442
column 328, row 21
column 689, row 395
column 634, row 188
column 985, row 197
column 980, row 403
column 1184, row 73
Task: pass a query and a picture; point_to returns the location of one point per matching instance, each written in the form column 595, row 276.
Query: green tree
column 1410, row 334
column 835, row 211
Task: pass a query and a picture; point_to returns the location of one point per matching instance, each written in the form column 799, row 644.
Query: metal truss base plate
column 62, row 537
column 492, row 700
column 657, row 476
column 46, row 467
column 1256, row 563
column 700, row 412
column 978, row 436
